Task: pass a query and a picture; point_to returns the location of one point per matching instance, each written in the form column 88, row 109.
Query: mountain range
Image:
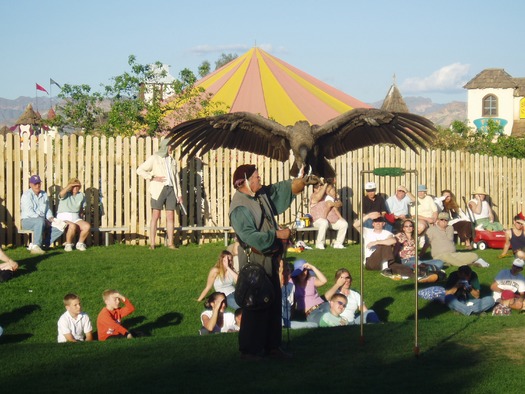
column 440, row 114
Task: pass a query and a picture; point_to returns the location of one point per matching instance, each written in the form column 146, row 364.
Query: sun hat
column 298, row 268
column 370, row 186
column 479, row 190
column 35, row 179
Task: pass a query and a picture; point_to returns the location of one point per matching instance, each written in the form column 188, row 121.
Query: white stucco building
column 494, row 94
column 160, row 83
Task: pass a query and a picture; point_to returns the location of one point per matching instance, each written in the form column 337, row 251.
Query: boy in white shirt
column 74, row 325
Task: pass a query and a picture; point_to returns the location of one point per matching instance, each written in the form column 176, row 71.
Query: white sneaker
column 35, row 249
column 30, row 246
column 80, row 246
column 339, row 246
column 319, row 246
column 68, row 248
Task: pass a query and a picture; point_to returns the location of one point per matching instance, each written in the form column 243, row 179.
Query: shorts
column 69, row 217
column 166, row 198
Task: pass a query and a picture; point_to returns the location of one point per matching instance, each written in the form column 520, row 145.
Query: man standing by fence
column 252, row 215
column 161, row 170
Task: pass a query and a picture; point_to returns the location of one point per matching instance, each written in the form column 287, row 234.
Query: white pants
column 322, row 225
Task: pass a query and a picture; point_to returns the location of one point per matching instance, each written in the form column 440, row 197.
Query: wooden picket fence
column 116, row 196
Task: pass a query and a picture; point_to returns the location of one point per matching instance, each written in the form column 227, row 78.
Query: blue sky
column 433, row 48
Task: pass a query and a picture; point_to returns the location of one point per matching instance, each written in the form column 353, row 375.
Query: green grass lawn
column 463, row 354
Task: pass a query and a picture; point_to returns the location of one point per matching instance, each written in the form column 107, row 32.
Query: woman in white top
column 70, row 209
column 214, row 319
column 483, row 214
column 222, row 277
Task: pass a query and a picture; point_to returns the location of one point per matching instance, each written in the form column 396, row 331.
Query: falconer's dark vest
column 262, row 212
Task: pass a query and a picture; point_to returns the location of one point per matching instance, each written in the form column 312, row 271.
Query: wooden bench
column 311, row 229
column 28, row 233
column 107, row 230
column 224, row 229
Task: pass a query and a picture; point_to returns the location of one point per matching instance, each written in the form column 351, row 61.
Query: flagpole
column 50, row 94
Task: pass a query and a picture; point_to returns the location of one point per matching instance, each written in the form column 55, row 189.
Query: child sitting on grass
column 214, row 319
column 334, row 318
column 74, row 325
column 109, row 320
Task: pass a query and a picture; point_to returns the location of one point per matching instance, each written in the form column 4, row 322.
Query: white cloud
column 448, row 79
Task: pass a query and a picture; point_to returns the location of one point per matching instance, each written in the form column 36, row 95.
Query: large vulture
column 311, row 145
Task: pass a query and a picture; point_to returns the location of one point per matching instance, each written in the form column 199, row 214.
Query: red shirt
column 109, row 322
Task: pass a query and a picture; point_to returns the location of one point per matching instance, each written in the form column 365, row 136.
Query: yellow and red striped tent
column 260, row 83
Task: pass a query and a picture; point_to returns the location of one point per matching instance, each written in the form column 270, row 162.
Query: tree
column 204, row 68
column 224, row 59
column 135, row 102
column 78, row 109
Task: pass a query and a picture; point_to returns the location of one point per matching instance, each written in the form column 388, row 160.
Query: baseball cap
column 507, row 295
column 422, row 188
column 518, row 263
column 379, row 219
column 443, row 215
column 298, row 268
column 369, row 186
column 34, row 179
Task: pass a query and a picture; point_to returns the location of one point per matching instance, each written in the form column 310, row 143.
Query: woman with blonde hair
column 70, row 210
column 222, row 277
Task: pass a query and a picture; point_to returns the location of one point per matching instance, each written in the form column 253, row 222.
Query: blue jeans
column 476, row 305
column 368, row 317
column 38, row 226
column 230, row 299
column 411, row 262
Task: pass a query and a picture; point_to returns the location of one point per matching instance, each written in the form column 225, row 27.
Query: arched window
column 490, row 105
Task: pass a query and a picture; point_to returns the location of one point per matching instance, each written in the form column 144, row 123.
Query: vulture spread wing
column 239, row 130
column 364, row 127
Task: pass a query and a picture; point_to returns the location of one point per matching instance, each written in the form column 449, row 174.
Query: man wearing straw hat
column 483, row 214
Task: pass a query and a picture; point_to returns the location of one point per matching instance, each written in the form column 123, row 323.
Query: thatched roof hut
column 394, row 101
column 29, row 117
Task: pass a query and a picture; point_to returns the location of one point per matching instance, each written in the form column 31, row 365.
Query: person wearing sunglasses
column 352, row 310
column 405, row 248
column 441, row 238
column 333, row 317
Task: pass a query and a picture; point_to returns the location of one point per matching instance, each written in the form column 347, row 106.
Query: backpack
column 253, row 290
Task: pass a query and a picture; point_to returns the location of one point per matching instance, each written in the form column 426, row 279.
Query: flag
column 38, row 87
column 52, row 82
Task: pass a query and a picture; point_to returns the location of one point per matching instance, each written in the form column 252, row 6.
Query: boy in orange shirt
column 109, row 319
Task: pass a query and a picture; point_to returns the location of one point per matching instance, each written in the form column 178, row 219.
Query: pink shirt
column 307, row 297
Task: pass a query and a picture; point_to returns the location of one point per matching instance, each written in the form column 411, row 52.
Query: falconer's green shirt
column 246, row 214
